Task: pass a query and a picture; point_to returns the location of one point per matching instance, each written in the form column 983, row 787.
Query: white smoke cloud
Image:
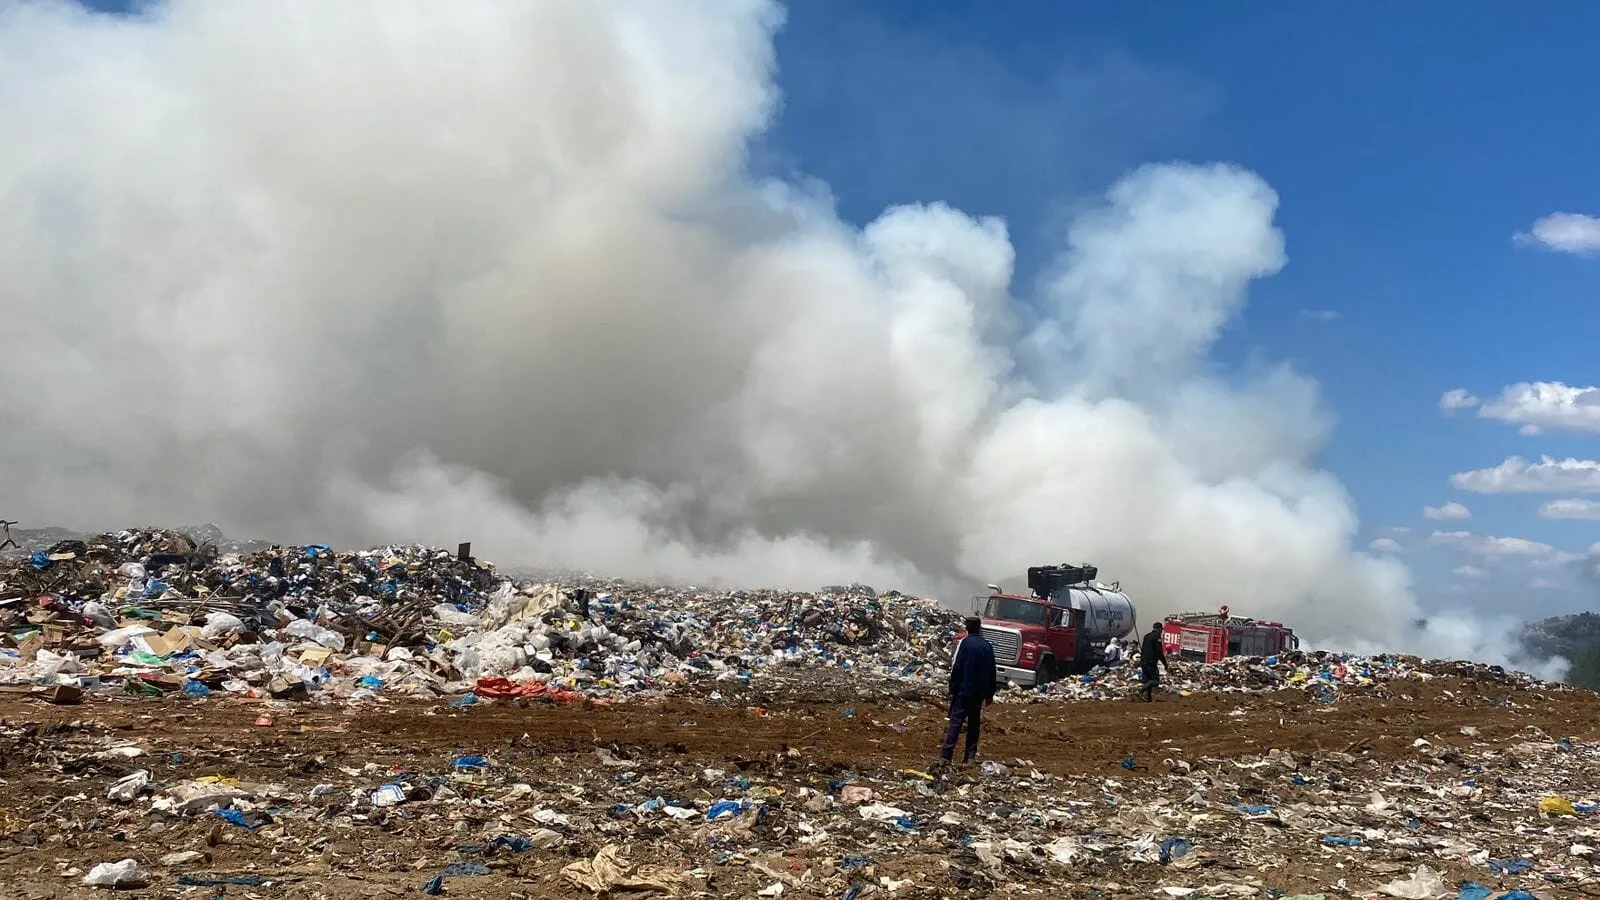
column 488, row 271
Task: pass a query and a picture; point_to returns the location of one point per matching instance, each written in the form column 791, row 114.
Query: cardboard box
column 64, row 695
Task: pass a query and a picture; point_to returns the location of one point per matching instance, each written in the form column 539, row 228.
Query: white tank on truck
column 1107, row 611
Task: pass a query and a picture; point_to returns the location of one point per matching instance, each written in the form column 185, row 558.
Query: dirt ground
column 54, row 772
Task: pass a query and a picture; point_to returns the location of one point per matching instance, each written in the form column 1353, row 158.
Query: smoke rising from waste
column 419, row 271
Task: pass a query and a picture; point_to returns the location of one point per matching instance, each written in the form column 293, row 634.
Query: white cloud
column 1459, row 398
column 1385, row 545
column 1491, row 548
column 1564, row 232
column 1451, row 510
column 1470, row 571
column 1519, row 476
column 1545, row 584
column 1546, row 406
column 1571, row 509
column 1320, row 315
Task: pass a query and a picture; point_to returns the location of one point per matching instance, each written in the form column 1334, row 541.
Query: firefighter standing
column 972, row 686
column 1151, row 654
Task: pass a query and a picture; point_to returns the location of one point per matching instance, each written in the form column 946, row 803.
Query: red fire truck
column 1208, row 637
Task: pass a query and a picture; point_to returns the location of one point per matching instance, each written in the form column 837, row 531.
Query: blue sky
column 1407, row 149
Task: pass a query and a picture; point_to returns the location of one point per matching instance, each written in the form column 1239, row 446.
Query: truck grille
column 1007, row 644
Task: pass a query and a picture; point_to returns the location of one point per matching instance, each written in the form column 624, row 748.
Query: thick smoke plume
column 498, row 271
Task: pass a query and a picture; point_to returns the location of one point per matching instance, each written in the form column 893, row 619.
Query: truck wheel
column 1046, row 672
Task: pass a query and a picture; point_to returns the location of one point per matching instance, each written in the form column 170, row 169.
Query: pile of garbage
column 1322, row 675
column 153, row 612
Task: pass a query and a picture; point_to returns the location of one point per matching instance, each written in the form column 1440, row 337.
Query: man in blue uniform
column 972, row 685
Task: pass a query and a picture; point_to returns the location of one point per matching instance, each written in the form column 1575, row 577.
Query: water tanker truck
column 1060, row 627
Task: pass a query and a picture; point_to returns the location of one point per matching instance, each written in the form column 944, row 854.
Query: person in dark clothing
column 1151, row 654
column 972, row 686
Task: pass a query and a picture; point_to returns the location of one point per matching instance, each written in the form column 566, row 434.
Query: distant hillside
column 1576, row 638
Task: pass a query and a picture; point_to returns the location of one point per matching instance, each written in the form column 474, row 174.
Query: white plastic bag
column 124, row 873
column 99, row 614
column 116, row 640
column 127, row 789
column 310, row 631
column 1423, row 884
column 219, row 624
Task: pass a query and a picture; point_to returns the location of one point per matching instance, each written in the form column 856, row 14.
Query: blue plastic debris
column 470, row 762
column 39, row 560
column 235, row 817
column 724, row 809
column 196, row 689
column 1510, row 866
column 471, row 867
column 1175, row 848
column 1336, row 841
column 434, row 887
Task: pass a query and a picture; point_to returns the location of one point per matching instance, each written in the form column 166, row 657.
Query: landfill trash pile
column 1450, row 791
column 156, row 611
column 153, row 611
column 1320, row 675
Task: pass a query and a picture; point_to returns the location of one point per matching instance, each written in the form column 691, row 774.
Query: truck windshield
column 1015, row 610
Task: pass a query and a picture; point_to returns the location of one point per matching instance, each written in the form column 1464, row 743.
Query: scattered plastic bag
column 220, row 624
column 121, row 874
column 1423, row 884
column 128, row 789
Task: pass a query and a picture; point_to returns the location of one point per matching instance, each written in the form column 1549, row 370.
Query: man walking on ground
column 1151, row 653
column 972, row 685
